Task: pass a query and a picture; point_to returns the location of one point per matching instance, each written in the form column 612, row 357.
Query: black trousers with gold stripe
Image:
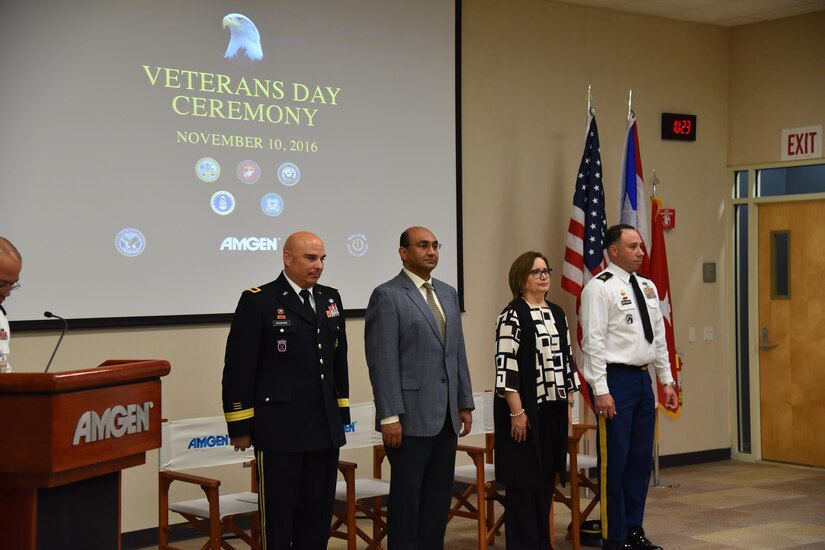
column 297, row 493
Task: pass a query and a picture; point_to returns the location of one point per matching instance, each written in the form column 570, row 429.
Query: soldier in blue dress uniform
column 623, row 336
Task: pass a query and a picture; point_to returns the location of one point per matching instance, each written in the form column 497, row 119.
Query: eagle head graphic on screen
column 244, row 40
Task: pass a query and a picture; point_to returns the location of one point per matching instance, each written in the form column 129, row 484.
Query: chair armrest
column 253, row 486
column 490, row 443
column 204, row 482
column 580, row 429
column 345, row 466
column 477, row 455
column 347, row 470
column 378, row 455
column 471, row 449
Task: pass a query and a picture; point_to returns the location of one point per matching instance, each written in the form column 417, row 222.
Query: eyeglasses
column 537, row 273
column 10, row 286
column 424, row 245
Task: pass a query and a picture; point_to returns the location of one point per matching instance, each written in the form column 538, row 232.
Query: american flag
column 584, row 253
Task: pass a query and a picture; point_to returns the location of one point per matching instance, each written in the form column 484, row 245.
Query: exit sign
column 802, row 143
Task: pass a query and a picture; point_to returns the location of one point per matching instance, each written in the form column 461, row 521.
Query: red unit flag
column 659, row 276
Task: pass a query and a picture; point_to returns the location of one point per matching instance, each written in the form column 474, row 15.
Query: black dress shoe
column 638, row 540
column 616, row 545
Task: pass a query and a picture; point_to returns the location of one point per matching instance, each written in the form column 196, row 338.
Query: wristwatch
column 671, row 384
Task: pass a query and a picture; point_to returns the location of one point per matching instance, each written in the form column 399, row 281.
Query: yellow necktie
column 439, row 319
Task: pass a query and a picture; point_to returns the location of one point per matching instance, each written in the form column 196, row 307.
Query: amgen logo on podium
column 115, row 421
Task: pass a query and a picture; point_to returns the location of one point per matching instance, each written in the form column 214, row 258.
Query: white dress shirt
column 612, row 328
column 298, row 290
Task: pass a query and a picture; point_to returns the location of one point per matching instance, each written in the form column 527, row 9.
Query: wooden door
column 792, row 331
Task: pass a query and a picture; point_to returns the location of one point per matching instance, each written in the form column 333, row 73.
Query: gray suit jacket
column 414, row 373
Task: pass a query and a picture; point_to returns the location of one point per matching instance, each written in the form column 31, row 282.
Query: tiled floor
column 722, row 505
column 737, row 505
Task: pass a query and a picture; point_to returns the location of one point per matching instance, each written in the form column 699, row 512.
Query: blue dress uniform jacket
column 285, row 380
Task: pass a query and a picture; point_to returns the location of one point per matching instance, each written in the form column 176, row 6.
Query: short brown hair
column 614, row 233
column 520, row 270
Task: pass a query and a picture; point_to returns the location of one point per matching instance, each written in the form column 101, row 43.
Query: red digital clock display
column 678, row 127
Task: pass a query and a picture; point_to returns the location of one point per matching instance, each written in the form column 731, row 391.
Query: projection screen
column 156, row 154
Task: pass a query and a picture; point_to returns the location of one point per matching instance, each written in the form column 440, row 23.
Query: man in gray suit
column 422, row 391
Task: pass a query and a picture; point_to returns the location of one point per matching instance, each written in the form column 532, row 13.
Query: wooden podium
column 64, row 438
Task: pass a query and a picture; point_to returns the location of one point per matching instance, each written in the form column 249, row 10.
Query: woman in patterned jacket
column 535, row 379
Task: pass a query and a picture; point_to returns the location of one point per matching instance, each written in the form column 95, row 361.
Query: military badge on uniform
column 281, row 346
column 649, row 292
column 625, row 298
column 629, row 319
column 332, row 310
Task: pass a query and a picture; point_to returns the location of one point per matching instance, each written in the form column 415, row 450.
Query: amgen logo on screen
column 251, row 244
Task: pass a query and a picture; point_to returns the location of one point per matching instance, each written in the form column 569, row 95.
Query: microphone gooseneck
column 50, row 315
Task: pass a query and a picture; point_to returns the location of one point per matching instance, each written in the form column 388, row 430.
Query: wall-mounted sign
column 668, row 216
column 802, row 143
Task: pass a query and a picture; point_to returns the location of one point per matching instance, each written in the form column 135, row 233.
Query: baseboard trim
column 697, row 457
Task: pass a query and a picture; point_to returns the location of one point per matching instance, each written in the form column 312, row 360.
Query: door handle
column 766, row 344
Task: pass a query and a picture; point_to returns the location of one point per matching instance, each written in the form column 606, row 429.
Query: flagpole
column 657, row 482
column 586, row 419
column 629, row 104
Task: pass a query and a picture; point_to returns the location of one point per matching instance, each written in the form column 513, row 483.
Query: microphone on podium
column 49, row 314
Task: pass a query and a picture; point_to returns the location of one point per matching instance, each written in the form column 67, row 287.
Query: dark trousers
column 527, row 521
column 421, row 485
column 625, row 448
column 297, row 493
